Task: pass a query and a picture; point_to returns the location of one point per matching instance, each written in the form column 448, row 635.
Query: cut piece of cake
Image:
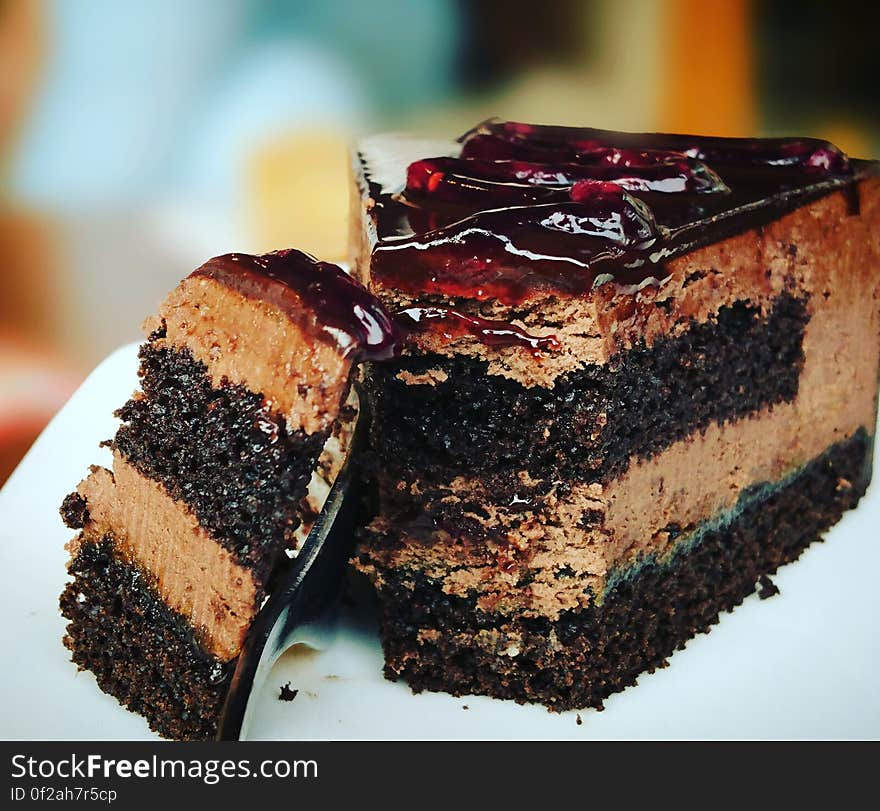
column 644, row 375
column 244, row 377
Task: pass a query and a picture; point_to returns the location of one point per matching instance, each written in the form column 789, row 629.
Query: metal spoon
column 307, row 592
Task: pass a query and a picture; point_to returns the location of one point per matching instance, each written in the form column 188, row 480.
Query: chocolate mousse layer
column 754, row 265
column 282, row 325
column 217, row 595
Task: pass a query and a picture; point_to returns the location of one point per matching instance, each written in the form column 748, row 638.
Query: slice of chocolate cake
column 643, row 375
column 244, row 377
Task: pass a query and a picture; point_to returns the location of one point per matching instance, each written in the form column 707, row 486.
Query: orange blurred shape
column 708, row 85
column 34, row 384
column 298, row 193
column 21, row 51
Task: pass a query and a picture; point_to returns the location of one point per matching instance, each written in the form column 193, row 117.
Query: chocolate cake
column 243, row 404
column 642, row 376
column 615, row 381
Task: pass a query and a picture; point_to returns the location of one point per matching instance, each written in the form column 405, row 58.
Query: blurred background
column 138, row 139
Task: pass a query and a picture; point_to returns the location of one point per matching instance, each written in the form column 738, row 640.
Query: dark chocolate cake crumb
column 141, row 651
column 767, row 588
column 74, row 511
column 578, row 720
column 286, row 693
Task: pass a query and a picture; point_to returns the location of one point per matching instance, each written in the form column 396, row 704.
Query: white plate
column 803, row 664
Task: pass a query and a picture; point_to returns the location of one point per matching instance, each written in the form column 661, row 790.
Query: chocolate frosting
column 529, row 210
column 301, row 285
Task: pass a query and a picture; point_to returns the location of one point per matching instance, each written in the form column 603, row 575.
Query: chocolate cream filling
column 191, row 572
column 441, row 642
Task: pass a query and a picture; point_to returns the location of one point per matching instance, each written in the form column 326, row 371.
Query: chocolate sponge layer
column 436, row 641
column 594, row 420
column 221, row 451
column 140, row 651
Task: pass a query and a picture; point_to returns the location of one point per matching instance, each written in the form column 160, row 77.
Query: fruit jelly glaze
column 527, row 210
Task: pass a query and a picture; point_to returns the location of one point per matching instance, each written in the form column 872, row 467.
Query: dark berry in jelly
column 471, row 180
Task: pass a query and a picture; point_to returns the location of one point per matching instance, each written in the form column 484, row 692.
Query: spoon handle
column 310, row 587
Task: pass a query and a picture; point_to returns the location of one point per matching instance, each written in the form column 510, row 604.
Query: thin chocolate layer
column 141, row 652
column 189, row 570
column 594, row 420
column 436, row 641
column 222, row 452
